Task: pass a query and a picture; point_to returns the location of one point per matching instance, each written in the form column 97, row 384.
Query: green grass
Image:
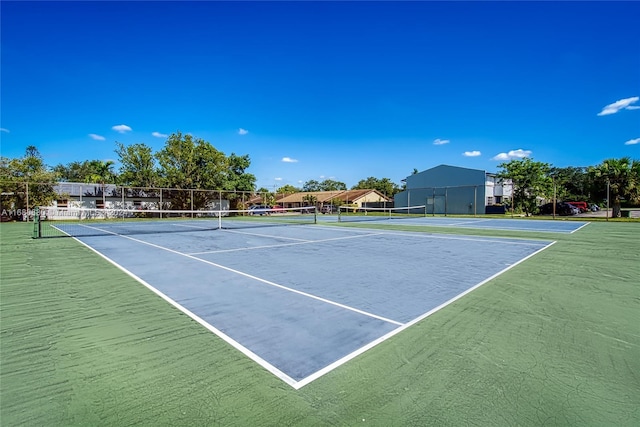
column 553, row 341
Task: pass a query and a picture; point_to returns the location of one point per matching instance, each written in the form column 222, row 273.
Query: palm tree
column 101, row 173
column 311, row 199
column 622, row 176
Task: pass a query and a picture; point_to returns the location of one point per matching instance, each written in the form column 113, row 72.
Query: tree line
column 613, row 182
column 187, row 162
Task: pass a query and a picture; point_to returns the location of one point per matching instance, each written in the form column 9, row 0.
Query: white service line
column 468, row 222
column 263, row 235
column 244, row 350
column 280, row 245
column 267, row 282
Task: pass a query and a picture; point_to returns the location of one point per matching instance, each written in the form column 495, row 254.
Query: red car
column 278, row 209
column 580, row 205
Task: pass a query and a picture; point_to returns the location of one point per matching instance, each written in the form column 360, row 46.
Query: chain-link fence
column 18, row 199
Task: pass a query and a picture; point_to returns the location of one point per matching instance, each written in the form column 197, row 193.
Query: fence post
column 445, row 201
column 36, row 223
column 475, row 201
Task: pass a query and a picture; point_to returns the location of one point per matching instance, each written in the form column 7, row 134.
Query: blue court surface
column 304, row 299
column 515, row 224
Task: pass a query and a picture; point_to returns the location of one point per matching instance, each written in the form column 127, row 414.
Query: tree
column 191, row 163
column 326, row 185
column 310, row 199
column 238, row 179
column 137, row 165
column 530, row 180
column 25, row 182
column 572, row 183
column 101, row 173
column 73, row 172
column 287, row 189
column 311, row 185
column 331, row 185
column 622, row 176
column 384, row 186
column 267, row 197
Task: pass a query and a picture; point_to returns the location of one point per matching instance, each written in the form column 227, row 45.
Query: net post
column 315, row 214
column 37, row 232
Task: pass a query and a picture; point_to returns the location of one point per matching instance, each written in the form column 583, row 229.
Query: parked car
column 278, row 209
column 580, row 205
column 259, row 210
column 327, row 209
column 562, row 208
column 574, row 209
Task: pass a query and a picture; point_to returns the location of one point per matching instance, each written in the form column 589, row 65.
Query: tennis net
column 349, row 214
column 78, row 222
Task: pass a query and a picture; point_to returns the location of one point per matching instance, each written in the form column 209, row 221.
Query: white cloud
column 121, row 128
column 96, row 137
column 621, row 104
column 4, row 130
column 159, row 135
column 289, row 160
column 513, row 154
column 471, row 153
column 242, row 131
column 632, row 141
column 439, row 141
column 278, row 179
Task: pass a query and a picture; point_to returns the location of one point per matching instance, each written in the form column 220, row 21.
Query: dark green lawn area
column 553, row 341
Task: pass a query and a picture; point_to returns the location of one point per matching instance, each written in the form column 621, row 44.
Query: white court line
column 470, row 222
column 502, row 228
column 263, row 235
column 193, row 226
column 281, row 245
column 283, row 376
column 267, row 282
column 235, row 344
column 516, row 228
column 422, row 235
column 390, row 334
column 582, row 226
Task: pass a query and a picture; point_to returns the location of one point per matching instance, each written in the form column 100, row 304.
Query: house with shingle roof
column 336, row 198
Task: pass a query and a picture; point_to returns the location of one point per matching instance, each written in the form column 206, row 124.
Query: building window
column 489, row 200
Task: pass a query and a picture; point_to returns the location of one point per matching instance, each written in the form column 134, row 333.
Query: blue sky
column 325, row 90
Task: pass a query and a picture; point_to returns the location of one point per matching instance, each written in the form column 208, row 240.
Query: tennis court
column 417, row 216
column 302, row 300
column 552, row 341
